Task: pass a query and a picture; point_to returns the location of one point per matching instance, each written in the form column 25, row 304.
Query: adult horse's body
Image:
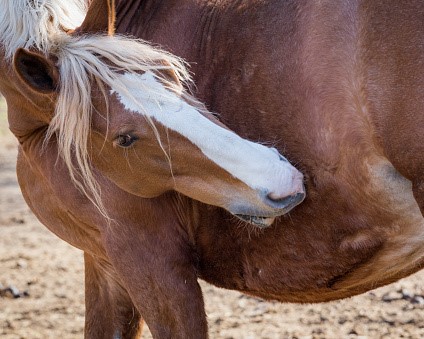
column 338, row 87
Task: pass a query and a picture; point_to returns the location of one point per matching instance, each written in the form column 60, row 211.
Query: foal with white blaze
column 104, row 122
column 146, row 136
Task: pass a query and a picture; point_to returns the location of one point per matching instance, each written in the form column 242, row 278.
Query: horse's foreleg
column 162, row 282
column 110, row 312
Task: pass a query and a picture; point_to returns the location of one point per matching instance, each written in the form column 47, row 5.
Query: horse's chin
column 261, row 222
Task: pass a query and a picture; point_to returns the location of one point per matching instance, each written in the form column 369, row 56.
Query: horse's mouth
column 261, row 222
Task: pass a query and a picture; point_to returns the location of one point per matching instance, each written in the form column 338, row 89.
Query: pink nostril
column 298, row 182
column 275, row 196
column 287, row 202
column 297, row 187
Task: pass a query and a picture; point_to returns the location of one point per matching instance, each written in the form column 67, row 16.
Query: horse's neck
column 185, row 28
column 26, row 121
column 234, row 57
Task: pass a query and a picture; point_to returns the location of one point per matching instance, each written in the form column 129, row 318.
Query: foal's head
column 120, row 105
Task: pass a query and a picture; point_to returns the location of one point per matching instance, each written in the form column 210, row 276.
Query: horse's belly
column 322, row 253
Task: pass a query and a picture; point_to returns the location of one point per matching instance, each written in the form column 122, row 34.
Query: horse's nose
column 287, row 202
column 296, row 186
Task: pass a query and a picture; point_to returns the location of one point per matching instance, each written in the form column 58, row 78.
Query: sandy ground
column 41, row 288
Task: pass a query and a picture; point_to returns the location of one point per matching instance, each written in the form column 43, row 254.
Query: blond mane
column 34, row 23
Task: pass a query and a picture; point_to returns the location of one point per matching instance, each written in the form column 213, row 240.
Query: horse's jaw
column 261, row 222
column 266, row 221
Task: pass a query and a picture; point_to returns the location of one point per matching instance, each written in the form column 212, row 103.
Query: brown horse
column 313, row 78
column 337, row 86
column 105, row 112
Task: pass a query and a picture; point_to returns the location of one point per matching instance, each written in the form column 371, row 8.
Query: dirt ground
column 42, row 295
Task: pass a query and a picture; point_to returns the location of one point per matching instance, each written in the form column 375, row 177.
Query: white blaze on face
column 257, row 166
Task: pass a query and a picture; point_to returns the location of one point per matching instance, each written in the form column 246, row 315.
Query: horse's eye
column 125, row 140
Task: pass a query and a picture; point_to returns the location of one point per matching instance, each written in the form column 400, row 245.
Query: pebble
column 406, row 294
column 21, row 264
column 418, row 300
column 403, row 294
column 392, row 296
column 12, row 292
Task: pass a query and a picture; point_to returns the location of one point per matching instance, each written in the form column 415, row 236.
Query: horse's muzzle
column 286, row 204
column 279, row 207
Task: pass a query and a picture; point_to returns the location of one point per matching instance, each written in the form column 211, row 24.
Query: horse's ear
column 38, row 72
column 169, row 74
column 100, row 17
